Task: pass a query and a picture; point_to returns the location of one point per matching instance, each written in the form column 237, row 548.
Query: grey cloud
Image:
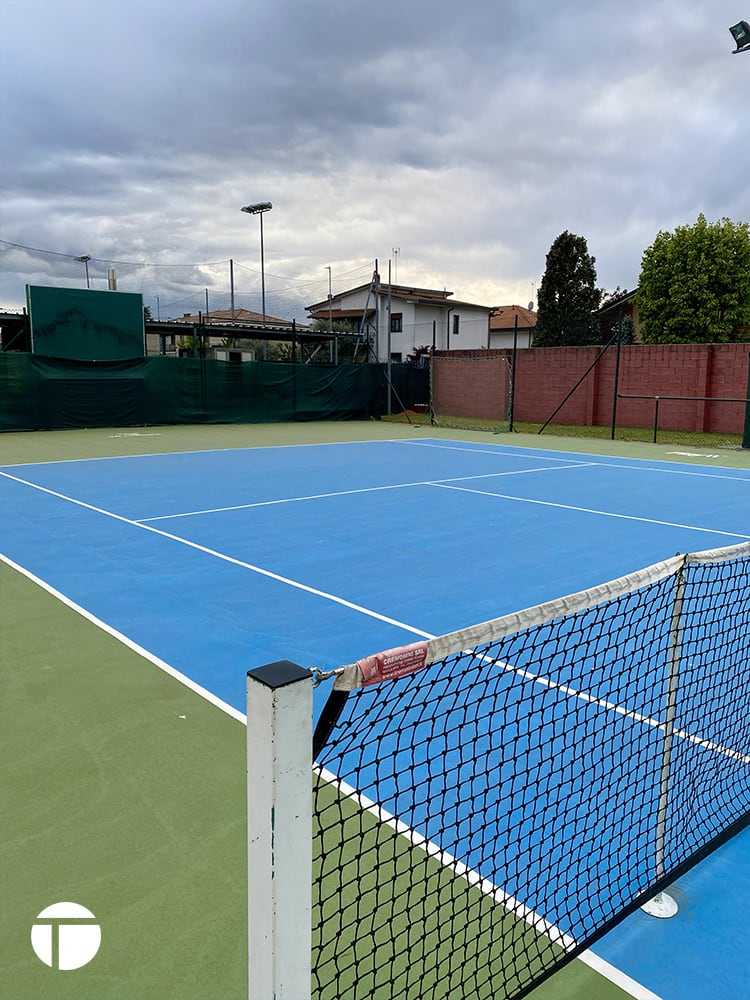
column 464, row 133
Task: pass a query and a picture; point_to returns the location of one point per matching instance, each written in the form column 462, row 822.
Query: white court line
column 628, row 985
column 121, row 637
column 197, row 451
column 590, row 510
column 366, row 489
column 120, row 458
column 672, row 472
column 601, row 460
column 497, row 452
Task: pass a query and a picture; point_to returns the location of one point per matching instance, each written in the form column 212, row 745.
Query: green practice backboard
column 84, row 325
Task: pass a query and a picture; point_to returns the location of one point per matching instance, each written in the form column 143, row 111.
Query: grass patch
column 645, row 434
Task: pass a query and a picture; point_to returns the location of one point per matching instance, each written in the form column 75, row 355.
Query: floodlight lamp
column 740, row 32
column 84, row 258
column 261, row 206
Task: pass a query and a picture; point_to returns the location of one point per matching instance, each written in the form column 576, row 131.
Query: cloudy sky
column 465, row 135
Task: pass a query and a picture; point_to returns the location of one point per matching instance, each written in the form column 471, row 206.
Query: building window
column 397, row 323
column 456, row 324
column 396, row 356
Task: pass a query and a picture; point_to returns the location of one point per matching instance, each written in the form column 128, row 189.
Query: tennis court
column 213, row 560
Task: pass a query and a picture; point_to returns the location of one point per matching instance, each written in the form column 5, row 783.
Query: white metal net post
column 279, row 831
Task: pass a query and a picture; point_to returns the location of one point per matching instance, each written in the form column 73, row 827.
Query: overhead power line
column 108, row 260
column 294, row 282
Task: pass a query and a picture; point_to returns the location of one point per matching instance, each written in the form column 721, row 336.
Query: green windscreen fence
column 44, row 393
column 84, row 325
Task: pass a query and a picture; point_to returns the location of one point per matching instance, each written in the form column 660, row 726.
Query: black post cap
column 280, row 673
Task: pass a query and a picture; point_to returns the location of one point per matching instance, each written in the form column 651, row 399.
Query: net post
column 663, row 905
column 746, row 430
column 279, row 831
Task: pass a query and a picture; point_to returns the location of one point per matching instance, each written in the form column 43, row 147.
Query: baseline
column 598, row 460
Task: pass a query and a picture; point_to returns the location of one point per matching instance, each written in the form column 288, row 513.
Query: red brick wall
column 472, row 383
column 475, row 383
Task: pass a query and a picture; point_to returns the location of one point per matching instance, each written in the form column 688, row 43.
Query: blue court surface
column 217, row 562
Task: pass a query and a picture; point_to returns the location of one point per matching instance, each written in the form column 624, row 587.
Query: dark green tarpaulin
column 44, row 393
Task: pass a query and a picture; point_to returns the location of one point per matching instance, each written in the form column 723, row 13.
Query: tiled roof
column 240, row 316
column 342, row 313
column 504, row 318
column 398, row 291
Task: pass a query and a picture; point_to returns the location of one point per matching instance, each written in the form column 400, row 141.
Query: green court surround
column 123, row 790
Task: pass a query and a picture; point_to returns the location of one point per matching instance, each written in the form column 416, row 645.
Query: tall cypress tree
column 568, row 296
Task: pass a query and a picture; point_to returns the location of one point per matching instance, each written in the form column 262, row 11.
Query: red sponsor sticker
column 393, row 663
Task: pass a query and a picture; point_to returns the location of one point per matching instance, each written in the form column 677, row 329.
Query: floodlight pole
column 262, row 271
column 84, row 259
column 330, row 302
column 388, row 369
column 259, row 209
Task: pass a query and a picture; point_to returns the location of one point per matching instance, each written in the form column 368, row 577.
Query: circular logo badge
column 66, row 936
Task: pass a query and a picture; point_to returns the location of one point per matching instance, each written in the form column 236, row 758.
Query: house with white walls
column 512, row 324
column 398, row 320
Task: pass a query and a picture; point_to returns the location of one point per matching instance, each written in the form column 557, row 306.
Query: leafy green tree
column 694, row 286
column 568, row 296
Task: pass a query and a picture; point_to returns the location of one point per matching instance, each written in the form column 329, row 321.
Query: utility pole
column 376, row 279
column 330, row 303
column 388, row 359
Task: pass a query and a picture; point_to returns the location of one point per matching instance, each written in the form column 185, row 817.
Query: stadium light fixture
column 84, row 259
column 740, row 32
column 258, row 209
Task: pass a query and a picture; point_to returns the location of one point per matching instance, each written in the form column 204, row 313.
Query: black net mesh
column 482, row 820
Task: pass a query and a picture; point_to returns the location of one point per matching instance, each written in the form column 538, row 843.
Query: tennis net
column 489, row 803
